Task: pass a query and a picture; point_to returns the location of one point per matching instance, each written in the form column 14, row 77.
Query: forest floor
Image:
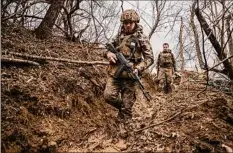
column 59, row 106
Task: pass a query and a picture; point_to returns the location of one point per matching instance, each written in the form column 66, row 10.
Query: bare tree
column 4, row 6
column 69, row 10
column 230, row 42
column 44, row 30
column 181, row 51
column 94, row 22
column 221, row 55
column 122, row 2
column 159, row 7
column 18, row 9
column 222, row 24
column 103, row 19
column 196, row 37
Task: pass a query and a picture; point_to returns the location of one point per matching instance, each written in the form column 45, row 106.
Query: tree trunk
column 223, row 24
column 230, row 42
column 213, row 17
column 69, row 9
column 221, row 55
column 22, row 19
column 198, row 50
column 44, row 31
column 15, row 11
column 181, row 51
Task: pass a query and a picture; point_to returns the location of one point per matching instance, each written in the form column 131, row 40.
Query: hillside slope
column 59, row 106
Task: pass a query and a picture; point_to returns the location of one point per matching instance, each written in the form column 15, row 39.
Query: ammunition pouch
column 166, row 65
column 136, row 60
column 130, row 48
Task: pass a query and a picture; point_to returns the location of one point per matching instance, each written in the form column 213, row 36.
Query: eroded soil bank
column 59, row 106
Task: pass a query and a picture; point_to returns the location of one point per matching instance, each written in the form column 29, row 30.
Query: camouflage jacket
column 142, row 57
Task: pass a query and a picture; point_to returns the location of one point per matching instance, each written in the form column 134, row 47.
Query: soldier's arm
column 114, row 41
column 173, row 61
column 158, row 61
column 147, row 54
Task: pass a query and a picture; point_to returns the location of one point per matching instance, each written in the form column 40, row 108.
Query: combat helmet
column 130, row 15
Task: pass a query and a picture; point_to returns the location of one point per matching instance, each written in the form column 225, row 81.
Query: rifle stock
column 125, row 65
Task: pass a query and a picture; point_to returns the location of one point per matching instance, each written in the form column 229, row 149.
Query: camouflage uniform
column 120, row 92
column 166, row 64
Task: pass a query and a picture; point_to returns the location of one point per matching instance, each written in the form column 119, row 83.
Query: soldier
column 166, row 67
column 135, row 46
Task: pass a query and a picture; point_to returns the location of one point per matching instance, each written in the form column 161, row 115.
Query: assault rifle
column 126, row 66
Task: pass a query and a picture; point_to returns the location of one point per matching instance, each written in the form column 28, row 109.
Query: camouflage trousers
column 120, row 93
column 162, row 80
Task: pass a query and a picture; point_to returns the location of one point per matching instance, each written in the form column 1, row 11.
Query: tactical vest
column 130, row 47
column 166, row 59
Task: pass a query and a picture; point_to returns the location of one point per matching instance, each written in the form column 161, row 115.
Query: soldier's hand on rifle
column 111, row 57
column 135, row 71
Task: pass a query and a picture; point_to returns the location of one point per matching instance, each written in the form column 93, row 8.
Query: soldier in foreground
column 135, row 47
column 166, row 67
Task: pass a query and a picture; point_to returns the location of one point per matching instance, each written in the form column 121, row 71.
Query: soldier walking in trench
column 166, row 67
column 135, row 46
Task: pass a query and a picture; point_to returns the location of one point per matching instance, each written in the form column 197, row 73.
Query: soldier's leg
column 128, row 99
column 161, row 78
column 156, row 83
column 169, row 79
column 161, row 85
column 112, row 96
column 111, row 92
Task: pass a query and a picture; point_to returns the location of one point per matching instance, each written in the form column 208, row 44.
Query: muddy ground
column 59, row 106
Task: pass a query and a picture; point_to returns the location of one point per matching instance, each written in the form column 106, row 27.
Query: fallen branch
column 59, row 59
column 12, row 60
